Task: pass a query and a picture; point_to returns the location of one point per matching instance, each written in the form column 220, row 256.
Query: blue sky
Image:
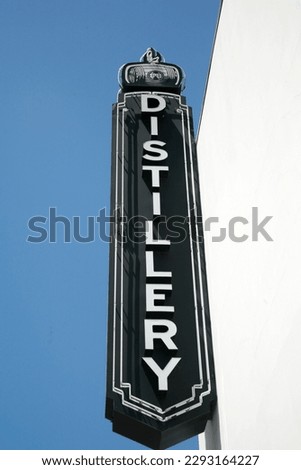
column 58, row 80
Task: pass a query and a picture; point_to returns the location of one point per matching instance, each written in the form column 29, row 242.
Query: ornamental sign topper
column 160, row 374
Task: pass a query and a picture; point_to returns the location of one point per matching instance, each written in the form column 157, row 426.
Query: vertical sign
column 160, row 373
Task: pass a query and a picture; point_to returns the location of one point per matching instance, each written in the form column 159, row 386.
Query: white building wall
column 249, row 150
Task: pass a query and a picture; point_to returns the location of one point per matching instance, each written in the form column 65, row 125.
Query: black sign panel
column 160, row 380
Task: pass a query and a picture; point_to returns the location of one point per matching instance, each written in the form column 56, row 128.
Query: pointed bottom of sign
column 152, row 437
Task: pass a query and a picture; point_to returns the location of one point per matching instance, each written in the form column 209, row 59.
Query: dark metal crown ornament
column 151, row 73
